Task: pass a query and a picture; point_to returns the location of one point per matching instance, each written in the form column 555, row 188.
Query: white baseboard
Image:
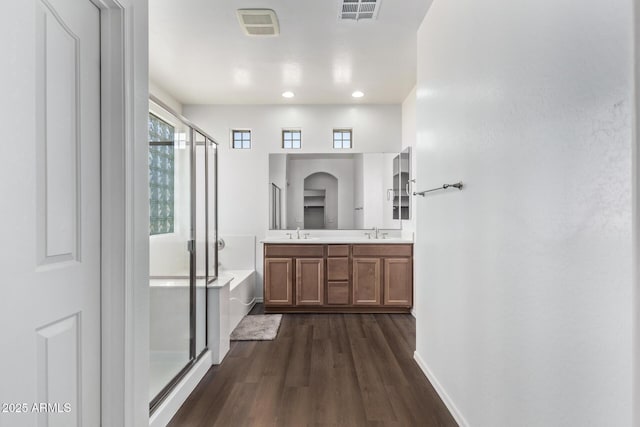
column 259, row 300
column 168, row 408
column 455, row 412
column 413, row 313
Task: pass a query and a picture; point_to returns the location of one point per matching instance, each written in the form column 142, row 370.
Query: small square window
column 241, row 138
column 291, row 138
column 342, row 138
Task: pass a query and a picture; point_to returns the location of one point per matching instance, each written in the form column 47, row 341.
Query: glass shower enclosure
column 183, row 250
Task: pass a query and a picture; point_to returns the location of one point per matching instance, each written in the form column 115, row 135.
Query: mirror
column 401, row 184
column 275, row 208
column 334, row 191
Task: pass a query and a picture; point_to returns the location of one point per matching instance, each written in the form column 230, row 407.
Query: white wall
column 165, row 97
column 524, row 278
column 243, row 191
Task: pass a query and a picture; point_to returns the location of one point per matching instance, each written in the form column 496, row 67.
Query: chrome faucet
column 375, row 234
column 298, row 232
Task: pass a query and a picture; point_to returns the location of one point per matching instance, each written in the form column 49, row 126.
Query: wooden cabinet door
column 366, row 281
column 278, row 286
column 309, row 281
column 398, row 289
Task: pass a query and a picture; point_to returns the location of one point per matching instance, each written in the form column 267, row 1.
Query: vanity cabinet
column 383, row 274
column 283, row 263
column 354, row 278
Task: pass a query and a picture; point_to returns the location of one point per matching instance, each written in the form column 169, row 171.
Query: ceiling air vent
column 259, row 22
column 354, row 10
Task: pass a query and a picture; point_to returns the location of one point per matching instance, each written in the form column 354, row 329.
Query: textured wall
column 524, row 279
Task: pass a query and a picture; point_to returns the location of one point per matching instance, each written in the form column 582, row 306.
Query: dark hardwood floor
column 321, row 370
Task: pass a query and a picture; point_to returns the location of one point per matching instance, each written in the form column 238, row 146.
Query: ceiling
column 199, row 53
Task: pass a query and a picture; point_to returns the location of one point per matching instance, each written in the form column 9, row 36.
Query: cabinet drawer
column 382, row 250
column 293, row 251
column 338, row 268
column 338, row 250
column 338, row 293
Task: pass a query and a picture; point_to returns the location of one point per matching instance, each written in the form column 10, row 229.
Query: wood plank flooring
column 321, row 370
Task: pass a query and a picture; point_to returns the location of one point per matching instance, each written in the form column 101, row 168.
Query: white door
column 50, row 286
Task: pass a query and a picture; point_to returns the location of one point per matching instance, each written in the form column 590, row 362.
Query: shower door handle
column 191, row 246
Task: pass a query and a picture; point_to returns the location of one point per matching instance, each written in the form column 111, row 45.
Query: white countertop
column 336, row 240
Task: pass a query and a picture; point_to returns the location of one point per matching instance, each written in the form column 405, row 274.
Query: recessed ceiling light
column 357, row 94
column 288, row 94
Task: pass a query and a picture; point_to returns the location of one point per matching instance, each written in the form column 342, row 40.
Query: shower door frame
column 193, row 357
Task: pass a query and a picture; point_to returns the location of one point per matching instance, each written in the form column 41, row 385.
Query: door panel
column 366, row 281
column 58, row 368
column 200, row 216
column 309, row 281
column 278, row 277
column 398, row 287
column 58, row 139
column 51, row 292
column 170, row 259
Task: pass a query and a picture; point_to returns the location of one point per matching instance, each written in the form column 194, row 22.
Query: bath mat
column 257, row 327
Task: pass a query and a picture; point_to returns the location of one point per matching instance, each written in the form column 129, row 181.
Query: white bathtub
column 230, row 298
column 242, row 295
